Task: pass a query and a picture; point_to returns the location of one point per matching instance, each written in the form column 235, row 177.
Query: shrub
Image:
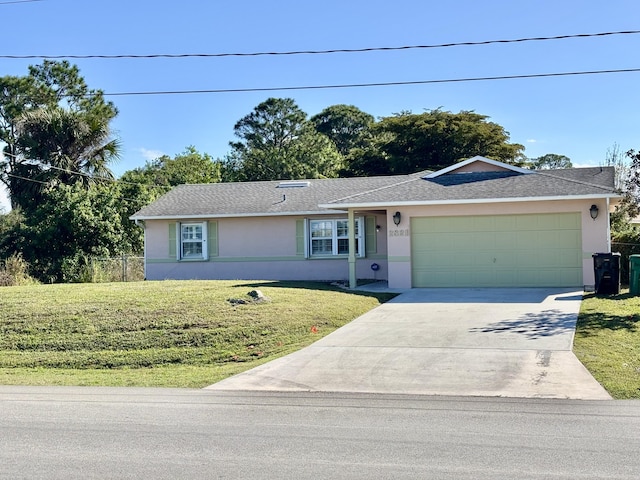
column 15, row 271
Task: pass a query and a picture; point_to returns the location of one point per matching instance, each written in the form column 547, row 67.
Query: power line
column 20, row 1
column 84, row 174
column 376, row 84
column 27, row 179
column 323, row 52
column 33, row 180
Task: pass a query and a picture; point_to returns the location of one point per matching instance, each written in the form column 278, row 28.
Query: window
column 192, row 241
column 331, row 237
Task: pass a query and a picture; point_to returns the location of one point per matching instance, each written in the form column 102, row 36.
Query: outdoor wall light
column 377, row 228
column 396, row 218
column 593, row 211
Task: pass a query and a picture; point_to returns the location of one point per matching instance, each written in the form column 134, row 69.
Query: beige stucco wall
column 265, row 248
column 595, row 233
column 256, row 248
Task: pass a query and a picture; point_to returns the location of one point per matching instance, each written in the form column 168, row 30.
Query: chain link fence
column 126, row 268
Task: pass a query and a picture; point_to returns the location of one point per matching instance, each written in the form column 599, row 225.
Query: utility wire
column 106, row 179
column 33, row 180
column 360, row 85
column 20, row 1
column 84, row 174
column 324, row 52
column 27, row 179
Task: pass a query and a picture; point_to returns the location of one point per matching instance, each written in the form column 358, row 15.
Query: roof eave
column 469, row 201
column 205, row 216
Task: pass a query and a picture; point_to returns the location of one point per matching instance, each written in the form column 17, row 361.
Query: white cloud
column 148, row 154
column 532, row 140
column 584, row 165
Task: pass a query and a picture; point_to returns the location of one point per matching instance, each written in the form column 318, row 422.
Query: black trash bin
column 606, row 267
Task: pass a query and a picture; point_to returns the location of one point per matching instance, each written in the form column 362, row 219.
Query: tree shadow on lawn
column 533, row 325
column 322, row 286
column 589, row 323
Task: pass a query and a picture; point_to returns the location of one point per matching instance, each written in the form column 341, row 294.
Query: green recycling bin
column 634, row 274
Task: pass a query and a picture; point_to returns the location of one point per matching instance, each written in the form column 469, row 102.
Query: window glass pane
column 192, row 249
column 321, row 229
column 322, row 247
column 343, row 246
column 342, row 228
column 192, row 232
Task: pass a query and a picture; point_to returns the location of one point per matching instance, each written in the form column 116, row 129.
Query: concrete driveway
column 476, row 342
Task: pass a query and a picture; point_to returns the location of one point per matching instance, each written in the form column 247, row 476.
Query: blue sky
column 577, row 116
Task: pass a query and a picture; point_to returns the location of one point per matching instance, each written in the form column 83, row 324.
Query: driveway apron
column 477, row 342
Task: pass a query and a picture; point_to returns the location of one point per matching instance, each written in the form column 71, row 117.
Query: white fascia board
column 233, row 215
column 468, row 201
column 478, row 158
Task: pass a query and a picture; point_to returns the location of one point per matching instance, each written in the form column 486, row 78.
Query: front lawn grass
column 607, row 342
column 162, row 334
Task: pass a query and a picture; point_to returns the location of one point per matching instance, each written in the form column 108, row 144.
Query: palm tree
column 56, row 146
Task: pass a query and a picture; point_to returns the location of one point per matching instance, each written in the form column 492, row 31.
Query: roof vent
column 294, row 184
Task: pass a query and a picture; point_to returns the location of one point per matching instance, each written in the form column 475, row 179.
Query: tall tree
column 550, row 161
column 346, row 125
column 436, row 139
column 277, row 142
column 52, row 103
column 63, row 146
column 614, row 157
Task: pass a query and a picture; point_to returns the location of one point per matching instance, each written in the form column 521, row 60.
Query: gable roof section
column 452, row 169
column 490, row 187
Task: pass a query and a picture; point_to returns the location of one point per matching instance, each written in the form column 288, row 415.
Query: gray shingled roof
column 574, row 182
column 325, row 195
column 259, row 198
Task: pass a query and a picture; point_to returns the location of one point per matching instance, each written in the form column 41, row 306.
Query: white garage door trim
column 525, row 250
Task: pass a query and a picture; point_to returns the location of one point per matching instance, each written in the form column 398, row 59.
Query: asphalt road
column 106, row 433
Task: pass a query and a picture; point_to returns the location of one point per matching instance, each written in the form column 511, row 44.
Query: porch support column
column 352, row 249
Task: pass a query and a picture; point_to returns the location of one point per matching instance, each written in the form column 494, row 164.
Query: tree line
column 67, row 205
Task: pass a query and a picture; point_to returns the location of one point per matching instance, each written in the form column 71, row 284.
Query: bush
column 15, row 271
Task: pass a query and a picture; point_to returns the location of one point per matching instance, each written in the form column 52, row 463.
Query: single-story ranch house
column 478, row 223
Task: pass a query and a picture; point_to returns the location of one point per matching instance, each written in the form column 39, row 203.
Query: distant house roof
column 499, row 183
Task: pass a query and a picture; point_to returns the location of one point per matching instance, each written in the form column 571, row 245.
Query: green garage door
column 497, row 251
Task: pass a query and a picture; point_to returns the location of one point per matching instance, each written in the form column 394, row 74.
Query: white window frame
column 332, row 224
column 181, row 241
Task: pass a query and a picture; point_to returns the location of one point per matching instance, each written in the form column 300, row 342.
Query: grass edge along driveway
column 162, row 334
column 607, row 342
